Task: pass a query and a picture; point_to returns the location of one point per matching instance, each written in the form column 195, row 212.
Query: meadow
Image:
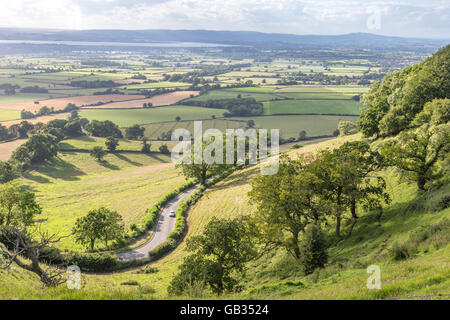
column 74, row 183
column 126, row 118
column 87, row 143
column 155, row 130
column 6, row 115
column 341, row 106
column 232, row 94
column 291, row 125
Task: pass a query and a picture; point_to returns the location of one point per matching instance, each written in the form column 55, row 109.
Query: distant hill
column 249, row 38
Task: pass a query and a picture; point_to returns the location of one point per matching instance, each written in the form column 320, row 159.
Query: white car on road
column 172, row 213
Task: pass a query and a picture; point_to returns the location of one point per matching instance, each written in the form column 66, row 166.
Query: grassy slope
column 88, row 142
column 155, row 130
column 291, row 125
column 75, row 183
column 276, row 275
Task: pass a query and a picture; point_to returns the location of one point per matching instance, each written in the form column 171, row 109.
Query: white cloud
column 411, row 18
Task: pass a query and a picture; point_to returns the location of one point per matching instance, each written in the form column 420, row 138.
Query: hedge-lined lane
column 163, row 228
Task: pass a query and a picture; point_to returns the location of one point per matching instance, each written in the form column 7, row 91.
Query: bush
column 25, row 114
column 162, row 249
column 93, row 262
column 402, row 251
column 148, row 270
column 313, row 249
column 164, row 149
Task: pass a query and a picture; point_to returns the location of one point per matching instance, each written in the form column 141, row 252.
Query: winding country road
column 163, row 228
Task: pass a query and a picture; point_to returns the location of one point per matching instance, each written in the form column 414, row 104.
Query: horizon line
column 219, row 30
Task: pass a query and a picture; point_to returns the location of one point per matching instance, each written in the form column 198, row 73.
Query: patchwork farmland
column 85, row 153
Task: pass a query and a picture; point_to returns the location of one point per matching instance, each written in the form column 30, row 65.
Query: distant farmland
column 159, row 100
column 60, row 103
column 155, row 130
column 289, row 126
column 126, row 118
column 347, row 107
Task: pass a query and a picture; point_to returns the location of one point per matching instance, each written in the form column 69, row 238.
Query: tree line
column 235, row 106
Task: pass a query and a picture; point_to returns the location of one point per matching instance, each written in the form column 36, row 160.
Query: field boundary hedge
column 107, row 262
column 117, row 151
column 177, row 235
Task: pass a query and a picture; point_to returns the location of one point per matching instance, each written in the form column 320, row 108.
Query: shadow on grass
column 56, row 168
column 35, row 178
column 108, row 165
column 86, row 138
column 154, row 155
column 125, row 158
column 243, row 178
column 65, row 145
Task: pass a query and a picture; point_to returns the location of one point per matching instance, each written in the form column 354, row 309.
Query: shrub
column 402, row 251
column 313, row 249
column 93, row 262
column 162, row 249
column 164, row 149
column 148, row 269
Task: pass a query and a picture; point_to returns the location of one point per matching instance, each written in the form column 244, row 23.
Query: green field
column 9, row 114
column 155, row 130
column 28, row 98
column 348, row 107
column 126, row 118
column 254, row 89
column 87, row 143
column 74, row 183
column 290, row 126
column 315, row 95
column 151, row 85
column 232, row 94
column 349, row 89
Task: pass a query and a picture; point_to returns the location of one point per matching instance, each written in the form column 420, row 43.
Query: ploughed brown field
column 130, row 81
column 165, row 99
column 7, row 148
column 61, row 103
column 43, row 119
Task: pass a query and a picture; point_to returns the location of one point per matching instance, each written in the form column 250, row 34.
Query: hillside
column 276, row 275
column 353, row 40
column 359, row 185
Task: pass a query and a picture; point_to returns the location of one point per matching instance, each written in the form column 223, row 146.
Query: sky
column 413, row 18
